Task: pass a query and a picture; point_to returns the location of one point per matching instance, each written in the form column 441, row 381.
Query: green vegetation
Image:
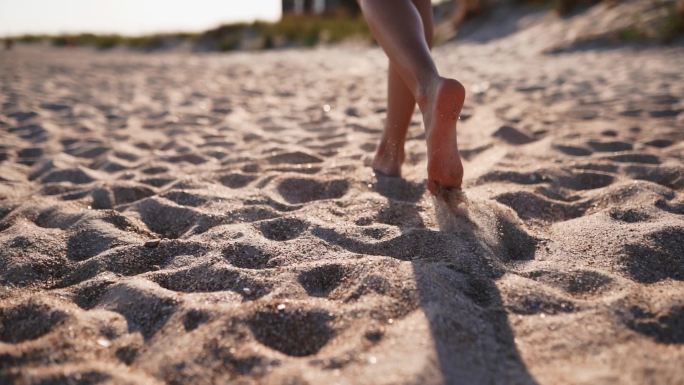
column 149, row 42
column 673, row 27
column 297, row 31
column 28, row 39
column 632, row 34
column 669, row 28
column 309, row 31
column 103, row 42
column 663, row 29
column 291, row 31
column 87, row 39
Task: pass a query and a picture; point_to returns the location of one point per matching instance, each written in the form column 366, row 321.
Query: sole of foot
column 445, row 169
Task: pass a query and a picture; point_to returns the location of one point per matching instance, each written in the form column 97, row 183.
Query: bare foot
column 440, row 113
column 388, row 158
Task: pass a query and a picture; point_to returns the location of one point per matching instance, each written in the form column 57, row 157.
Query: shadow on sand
column 473, row 339
column 455, row 270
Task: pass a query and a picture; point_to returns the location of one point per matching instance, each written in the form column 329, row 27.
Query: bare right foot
column 441, row 110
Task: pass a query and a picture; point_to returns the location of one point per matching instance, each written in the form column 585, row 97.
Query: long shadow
column 455, row 274
column 473, row 339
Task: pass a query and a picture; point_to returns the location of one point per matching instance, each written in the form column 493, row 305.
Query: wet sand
column 196, row 219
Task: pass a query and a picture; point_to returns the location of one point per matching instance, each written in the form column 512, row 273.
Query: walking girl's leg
column 398, row 28
column 400, row 105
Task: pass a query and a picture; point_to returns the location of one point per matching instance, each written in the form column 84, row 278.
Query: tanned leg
column 398, row 27
column 400, row 105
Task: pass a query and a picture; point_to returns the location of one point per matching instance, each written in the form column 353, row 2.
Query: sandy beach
column 175, row 218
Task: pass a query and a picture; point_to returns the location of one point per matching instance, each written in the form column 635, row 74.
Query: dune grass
column 297, row 31
column 290, row 31
column 148, row 42
column 673, row 27
column 104, row 41
column 670, row 28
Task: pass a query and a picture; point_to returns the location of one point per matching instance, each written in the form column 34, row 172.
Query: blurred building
column 320, row 7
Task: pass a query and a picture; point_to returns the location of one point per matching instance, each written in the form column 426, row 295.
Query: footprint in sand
column 294, row 332
column 301, row 190
column 664, row 327
column 28, row 321
column 321, row 280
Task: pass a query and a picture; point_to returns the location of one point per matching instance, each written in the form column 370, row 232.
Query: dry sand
column 180, row 219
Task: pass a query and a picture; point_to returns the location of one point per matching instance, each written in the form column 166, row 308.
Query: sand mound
column 213, row 220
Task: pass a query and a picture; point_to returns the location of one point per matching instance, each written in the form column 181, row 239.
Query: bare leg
column 400, row 105
column 397, row 26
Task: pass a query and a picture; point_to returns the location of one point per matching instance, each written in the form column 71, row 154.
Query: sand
column 196, row 219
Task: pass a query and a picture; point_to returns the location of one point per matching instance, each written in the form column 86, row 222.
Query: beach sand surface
column 198, row 219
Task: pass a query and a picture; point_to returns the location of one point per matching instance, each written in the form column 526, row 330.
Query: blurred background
column 216, row 25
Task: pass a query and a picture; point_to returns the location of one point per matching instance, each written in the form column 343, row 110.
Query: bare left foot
column 388, row 158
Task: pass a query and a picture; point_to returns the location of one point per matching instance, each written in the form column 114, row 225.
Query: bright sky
column 128, row 16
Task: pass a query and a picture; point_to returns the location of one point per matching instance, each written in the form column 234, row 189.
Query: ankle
column 427, row 89
column 387, row 149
